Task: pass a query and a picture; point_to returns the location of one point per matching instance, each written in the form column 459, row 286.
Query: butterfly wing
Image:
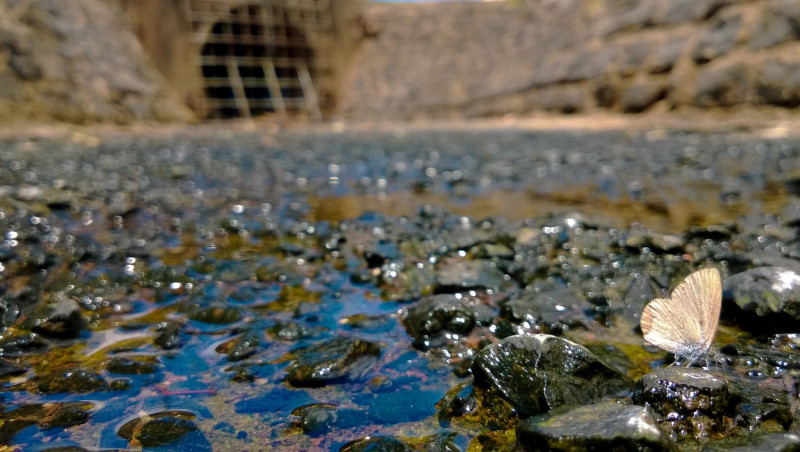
column 662, row 322
column 701, row 295
column 688, row 319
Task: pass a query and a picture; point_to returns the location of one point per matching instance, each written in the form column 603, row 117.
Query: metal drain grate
column 256, row 57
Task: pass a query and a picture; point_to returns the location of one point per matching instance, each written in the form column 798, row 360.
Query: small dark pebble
column 332, row 360
column 62, row 319
column 217, row 315
column 432, row 318
column 376, row 444
column 68, row 416
column 9, row 368
column 74, row 381
column 315, row 418
column 168, row 337
column 130, row 366
column 158, row 429
column 289, row 331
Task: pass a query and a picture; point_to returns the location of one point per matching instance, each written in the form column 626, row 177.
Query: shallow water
column 222, row 237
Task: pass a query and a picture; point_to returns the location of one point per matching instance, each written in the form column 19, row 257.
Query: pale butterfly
column 685, row 323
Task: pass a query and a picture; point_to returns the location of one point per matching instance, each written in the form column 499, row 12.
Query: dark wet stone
column 764, row 298
column 715, row 232
column 129, row 366
column 61, row 319
column 778, row 83
column 408, row 285
column 685, row 391
column 73, row 381
column 119, row 384
column 9, row 313
column 551, row 306
column 718, row 39
column 429, row 320
column 315, row 418
column 459, row 275
column 376, row 444
column 289, row 331
column 68, row 416
column 164, row 431
column 217, row 315
column 383, row 251
column 168, row 337
column 9, row 368
column 537, row 373
column 158, row 429
column 601, row 426
column 330, row 361
column 637, row 239
column 23, row 345
column 240, row 347
column 761, row 406
column 288, row 271
column 458, row 401
column 46, row 415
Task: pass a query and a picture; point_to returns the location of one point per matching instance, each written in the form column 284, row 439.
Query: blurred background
column 123, row 61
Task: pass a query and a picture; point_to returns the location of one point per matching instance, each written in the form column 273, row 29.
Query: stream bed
column 401, row 289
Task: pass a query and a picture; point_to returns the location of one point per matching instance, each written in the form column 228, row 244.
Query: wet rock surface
column 311, row 290
column 538, row 373
column 607, row 425
column 330, row 361
column 767, row 298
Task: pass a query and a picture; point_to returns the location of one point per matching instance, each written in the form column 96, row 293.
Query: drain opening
column 253, row 62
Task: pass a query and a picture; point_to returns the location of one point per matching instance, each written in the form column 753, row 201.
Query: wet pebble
column 168, row 336
column 289, row 331
column 685, row 392
column 602, row 426
column 550, row 306
column 240, row 347
column 764, row 298
column 330, row 361
column 217, row 315
column 73, row 381
column 22, row 345
column 315, row 418
column 10, row 368
column 158, row 429
column 130, row 366
column 376, row 443
column 459, row 275
column 60, row 319
column 429, row 321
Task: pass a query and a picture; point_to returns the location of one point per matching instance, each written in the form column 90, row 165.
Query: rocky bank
column 78, row 62
column 630, row 56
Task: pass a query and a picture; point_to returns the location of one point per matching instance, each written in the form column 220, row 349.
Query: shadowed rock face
column 78, row 62
column 568, row 57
